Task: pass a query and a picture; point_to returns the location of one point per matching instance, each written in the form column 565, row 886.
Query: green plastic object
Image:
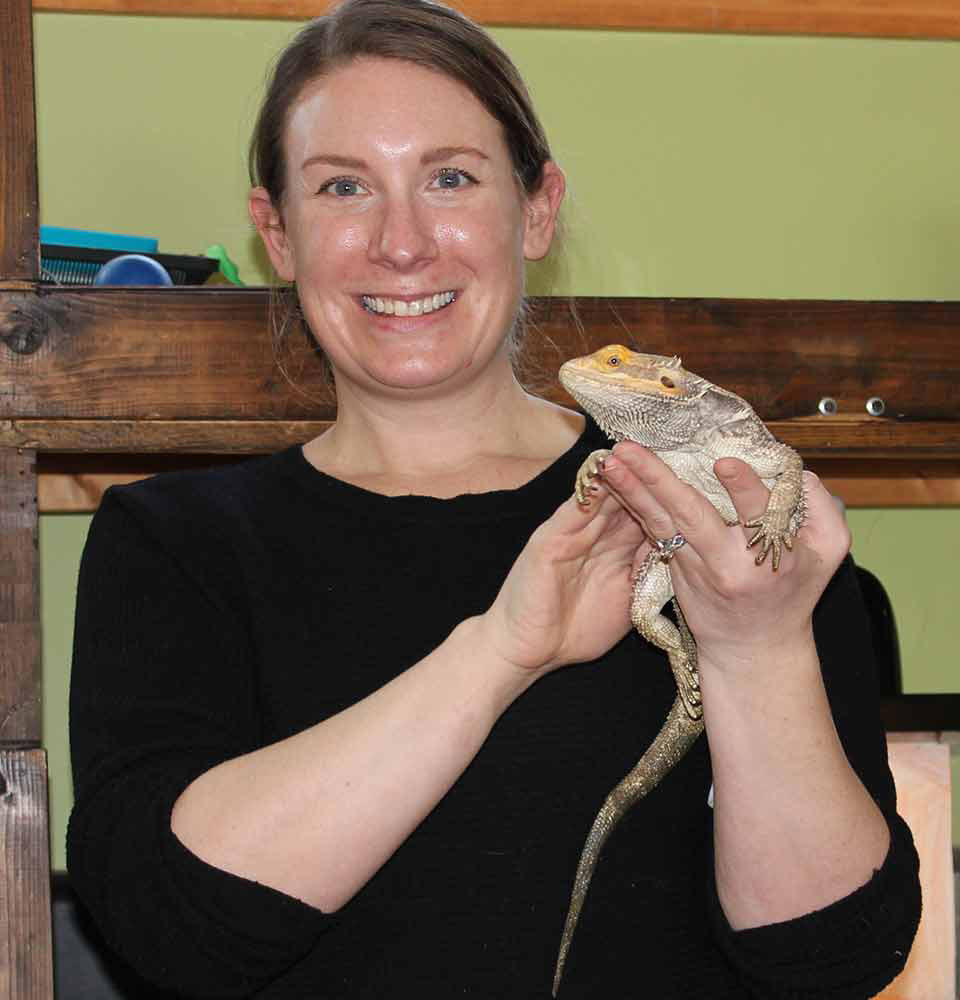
column 227, row 267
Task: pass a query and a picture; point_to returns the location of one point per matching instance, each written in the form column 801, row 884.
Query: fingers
column 745, row 488
column 650, row 489
column 602, row 525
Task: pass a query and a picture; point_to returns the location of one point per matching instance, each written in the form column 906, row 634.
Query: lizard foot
column 587, row 472
column 775, row 529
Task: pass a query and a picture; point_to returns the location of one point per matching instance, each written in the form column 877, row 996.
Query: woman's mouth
column 406, row 307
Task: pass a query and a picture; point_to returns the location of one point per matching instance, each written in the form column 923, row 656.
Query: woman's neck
column 481, row 441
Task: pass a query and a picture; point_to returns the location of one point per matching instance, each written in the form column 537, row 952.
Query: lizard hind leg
column 652, row 590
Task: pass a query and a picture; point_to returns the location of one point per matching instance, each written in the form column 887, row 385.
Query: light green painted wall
column 698, row 165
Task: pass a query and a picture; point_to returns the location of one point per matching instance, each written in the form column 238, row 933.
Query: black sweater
column 221, row 611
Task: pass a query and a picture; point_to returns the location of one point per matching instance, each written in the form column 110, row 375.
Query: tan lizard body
column 690, row 423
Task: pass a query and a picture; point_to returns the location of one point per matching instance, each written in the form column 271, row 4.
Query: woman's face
column 404, row 226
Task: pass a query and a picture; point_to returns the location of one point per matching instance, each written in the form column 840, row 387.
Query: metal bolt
column 827, row 406
column 875, row 406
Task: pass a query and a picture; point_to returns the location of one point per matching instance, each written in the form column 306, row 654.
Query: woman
column 322, row 743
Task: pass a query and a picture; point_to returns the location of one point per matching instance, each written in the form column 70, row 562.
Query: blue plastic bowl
column 132, row 269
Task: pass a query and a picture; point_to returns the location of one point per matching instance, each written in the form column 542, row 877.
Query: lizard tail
column 675, row 738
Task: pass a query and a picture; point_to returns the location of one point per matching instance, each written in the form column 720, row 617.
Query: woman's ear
column 269, row 225
column 542, row 209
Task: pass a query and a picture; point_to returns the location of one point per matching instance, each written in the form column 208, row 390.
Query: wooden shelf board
column 826, row 438
column 75, row 482
column 893, row 18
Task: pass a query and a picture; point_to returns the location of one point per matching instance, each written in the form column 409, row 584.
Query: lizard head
column 625, row 391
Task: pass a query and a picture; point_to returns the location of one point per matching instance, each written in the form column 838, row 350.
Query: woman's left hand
column 794, row 827
column 738, row 611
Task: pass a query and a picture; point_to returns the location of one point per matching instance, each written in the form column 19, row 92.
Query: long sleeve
column 851, row 949
column 162, row 690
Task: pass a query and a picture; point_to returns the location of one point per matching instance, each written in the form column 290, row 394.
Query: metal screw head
column 827, row 406
column 875, row 406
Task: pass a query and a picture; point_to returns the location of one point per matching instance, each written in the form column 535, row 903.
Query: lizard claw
column 770, row 536
column 591, row 468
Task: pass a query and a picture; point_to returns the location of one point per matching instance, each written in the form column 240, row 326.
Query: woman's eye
column 450, row 178
column 342, row 187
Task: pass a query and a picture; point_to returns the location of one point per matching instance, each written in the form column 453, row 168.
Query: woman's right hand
column 567, row 596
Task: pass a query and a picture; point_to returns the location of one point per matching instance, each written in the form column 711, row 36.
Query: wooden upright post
column 26, row 963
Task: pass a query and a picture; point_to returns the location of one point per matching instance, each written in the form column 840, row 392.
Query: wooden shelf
column 892, row 19
column 816, row 438
column 195, row 370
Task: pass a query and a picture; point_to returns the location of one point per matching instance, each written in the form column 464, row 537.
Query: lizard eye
column 668, row 382
column 613, row 361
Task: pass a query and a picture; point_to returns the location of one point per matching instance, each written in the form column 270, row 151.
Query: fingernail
column 725, row 470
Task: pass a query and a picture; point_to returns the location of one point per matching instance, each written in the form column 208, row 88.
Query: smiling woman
column 478, row 128
column 431, row 211
column 328, row 681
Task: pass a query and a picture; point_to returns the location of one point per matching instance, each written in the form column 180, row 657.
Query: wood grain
column 867, row 483
column 206, row 354
column 873, row 440
column 75, row 483
column 229, row 437
column 26, row 959
column 921, row 771
column 19, row 223
column 891, row 18
column 19, row 600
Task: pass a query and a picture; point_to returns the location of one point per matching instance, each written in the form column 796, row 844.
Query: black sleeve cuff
column 849, row 950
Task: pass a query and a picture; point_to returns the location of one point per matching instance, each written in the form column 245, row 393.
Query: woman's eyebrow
column 431, row 156
column 333, row 160
column 446, row 152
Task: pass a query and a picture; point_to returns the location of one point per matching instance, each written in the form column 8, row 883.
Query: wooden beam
column 19, row 259
column 892, row 18
column 868, row 439
column 75, row 483
column 206, row 354
column 26, row 953
column 202, row 437
column 195, row 370
column 19, row 600
column 869, row 483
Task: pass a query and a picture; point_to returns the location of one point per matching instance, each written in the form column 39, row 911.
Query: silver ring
column 667, row 546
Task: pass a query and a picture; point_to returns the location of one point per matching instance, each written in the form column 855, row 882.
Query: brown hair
column 422, row 32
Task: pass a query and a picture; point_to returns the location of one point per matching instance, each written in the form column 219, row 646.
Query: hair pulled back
column 417, row 31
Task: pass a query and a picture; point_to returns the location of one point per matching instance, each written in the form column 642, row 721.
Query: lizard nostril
column 669, row 383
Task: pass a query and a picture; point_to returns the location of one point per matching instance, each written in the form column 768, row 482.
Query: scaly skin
column 690, row 424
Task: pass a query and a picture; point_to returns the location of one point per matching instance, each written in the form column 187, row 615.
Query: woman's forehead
column 390, row 106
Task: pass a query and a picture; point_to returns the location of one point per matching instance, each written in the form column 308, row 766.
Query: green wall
column 698, row 166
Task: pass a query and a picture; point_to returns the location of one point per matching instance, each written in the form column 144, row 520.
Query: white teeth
column 400, row 307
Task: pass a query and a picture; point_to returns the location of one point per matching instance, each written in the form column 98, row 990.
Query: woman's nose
column 403, row 237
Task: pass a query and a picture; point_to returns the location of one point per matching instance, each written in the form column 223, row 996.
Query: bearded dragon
column 689, row 423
